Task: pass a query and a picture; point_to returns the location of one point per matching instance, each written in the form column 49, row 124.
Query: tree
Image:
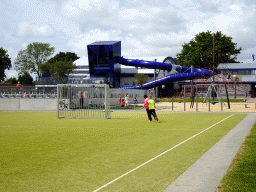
column 140, row 79
column 12, row 80
column 61, row 56
column 199, row 51
column 61, row 69
column 5, row 63
column 25, row 78
column 33, row 57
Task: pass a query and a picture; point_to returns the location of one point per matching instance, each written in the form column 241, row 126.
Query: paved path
column 205, row 174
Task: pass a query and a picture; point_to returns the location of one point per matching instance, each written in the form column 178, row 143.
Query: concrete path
column 205, row 174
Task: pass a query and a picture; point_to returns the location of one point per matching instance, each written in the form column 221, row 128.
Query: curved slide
column 183, row 73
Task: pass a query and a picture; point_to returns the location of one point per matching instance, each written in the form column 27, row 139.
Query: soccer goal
column 83, row 101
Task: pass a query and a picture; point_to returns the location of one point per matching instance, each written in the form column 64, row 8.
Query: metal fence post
column 57, row 101
column 209, row 97
column 172, row 103
column 184, row 98
column 196, row 99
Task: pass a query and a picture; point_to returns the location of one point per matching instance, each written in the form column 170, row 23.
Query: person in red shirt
column 146, row 106
column 122, row 103
column 18, row 88
column 81, row 100
column 18, row 85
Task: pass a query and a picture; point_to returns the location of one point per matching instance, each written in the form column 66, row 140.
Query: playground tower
column 102, row 64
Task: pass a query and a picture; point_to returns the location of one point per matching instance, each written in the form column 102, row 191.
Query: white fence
column 25, row 104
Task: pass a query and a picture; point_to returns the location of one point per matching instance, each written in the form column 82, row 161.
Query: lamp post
column 213, row 58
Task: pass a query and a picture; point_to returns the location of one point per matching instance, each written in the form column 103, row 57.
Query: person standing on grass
column 126, row 99
column 81, row 100
column 135, row 102
column 151, row 106
column 120, row 98
column 146, row 104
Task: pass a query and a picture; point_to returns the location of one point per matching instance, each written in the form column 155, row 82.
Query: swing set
column 211, row 93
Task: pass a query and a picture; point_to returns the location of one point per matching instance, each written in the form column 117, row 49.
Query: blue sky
column 145, row 28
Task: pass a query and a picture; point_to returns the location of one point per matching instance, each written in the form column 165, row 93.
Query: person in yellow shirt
column 151, row 104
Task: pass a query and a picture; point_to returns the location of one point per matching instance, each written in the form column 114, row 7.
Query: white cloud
column 79, row 8
column 149, row 27
column 79, row 43
column 26, row 28
column 195, row 28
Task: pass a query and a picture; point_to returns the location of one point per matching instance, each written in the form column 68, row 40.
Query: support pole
column 235, row 87
column 196, row 99
column 172, row 103
column 209, row 97
column 221, row 103
column 58, row 90
column 184, row 98
column 220, row 99
column 155, row 79
column 227, row 95
column 213, row 59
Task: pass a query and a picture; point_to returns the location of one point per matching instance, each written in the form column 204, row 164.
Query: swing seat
column 214, row 102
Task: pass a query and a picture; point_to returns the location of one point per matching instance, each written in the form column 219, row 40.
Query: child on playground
column 24, row 94
column 126, row 99
column 151, row 106
column 122, row 103
column 135, row 102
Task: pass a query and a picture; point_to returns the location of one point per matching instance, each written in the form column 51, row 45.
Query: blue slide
column 183, row 73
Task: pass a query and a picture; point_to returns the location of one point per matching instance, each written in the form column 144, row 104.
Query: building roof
column 104, row 42
column 236, row 66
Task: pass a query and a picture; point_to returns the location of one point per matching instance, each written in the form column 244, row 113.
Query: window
column 234, row 72
column 103, row 58
column 244, row 72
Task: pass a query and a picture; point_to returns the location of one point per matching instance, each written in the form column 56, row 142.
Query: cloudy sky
column 144, row 27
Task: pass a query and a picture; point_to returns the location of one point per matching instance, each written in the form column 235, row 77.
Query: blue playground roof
column 104, row 43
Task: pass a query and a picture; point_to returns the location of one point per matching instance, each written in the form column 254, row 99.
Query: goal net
column 83, row 101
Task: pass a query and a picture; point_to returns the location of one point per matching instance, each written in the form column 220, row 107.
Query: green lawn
column 241, row 175
column 42, row 153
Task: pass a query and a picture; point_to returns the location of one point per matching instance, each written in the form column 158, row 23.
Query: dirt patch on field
column 204, row 107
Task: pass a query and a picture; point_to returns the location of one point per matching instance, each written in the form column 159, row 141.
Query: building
column 242, row 74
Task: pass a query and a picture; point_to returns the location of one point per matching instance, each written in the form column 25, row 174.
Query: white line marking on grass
column 22, row 126
column 158, row 156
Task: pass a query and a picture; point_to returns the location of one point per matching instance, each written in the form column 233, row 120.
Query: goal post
column 83, row 101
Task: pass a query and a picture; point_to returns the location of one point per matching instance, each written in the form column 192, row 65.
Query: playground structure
column 105, row 59
column 105, row 64
column 210, row 93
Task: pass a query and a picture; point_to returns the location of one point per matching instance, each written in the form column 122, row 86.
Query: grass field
column 42, row 153
column 241, row 175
